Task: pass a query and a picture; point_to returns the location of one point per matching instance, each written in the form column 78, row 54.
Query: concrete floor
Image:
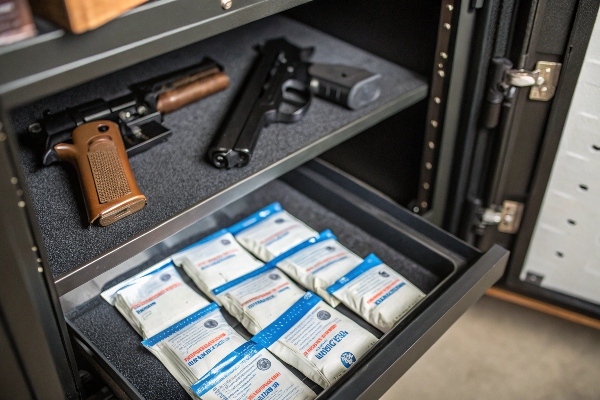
column 500, row 351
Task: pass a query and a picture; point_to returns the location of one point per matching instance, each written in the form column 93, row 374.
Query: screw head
column 137, row 131
column 124, row 115
column 35, row 128
column 226, row 4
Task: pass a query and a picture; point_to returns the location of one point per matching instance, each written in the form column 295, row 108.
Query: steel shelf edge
column 67, row 60
column 85, row 272
column 373, row 379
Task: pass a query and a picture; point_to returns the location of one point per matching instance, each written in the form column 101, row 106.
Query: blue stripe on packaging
column 207, row 239
column 176, row 327
column 255, row 218
column 237, row 281
column 325, row 235
column 371, row 261
column 284, row 323
column 157, row 270
column 224, row 368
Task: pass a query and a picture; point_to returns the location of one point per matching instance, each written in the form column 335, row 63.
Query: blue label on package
column 255, row 218
column 371, row 261
column 281, row 325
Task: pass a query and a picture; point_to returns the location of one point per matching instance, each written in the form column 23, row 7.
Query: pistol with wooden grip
column 97, row 137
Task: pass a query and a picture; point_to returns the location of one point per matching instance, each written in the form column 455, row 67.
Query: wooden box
column 79, row 16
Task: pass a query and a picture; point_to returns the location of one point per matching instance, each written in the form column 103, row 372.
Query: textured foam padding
column 105, row 329
column 175, row 175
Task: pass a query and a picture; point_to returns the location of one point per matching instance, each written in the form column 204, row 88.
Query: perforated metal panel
column 564, row 254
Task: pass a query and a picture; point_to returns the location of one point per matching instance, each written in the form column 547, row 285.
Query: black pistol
column 280, row 89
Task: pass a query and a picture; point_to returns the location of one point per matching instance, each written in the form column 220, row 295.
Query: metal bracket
column 507, row 218
column 549, row 72
column 543, row 80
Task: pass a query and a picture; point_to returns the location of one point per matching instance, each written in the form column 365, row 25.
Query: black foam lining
column 175, row 175
column 106, row 330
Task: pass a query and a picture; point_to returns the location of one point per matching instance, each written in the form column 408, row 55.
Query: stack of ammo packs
column 246, row 269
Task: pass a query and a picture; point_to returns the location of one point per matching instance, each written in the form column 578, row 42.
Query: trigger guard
column 50, row 155
column 299, row 112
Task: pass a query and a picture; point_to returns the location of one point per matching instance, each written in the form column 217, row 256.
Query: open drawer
column 451, row 273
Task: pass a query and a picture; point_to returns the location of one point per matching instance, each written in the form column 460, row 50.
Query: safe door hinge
column 507, row 217
column 543, row 80
column 503, row 80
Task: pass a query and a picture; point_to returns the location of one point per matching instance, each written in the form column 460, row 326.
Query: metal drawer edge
column 385, row 367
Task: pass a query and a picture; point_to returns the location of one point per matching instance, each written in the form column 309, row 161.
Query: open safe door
column 512, row 137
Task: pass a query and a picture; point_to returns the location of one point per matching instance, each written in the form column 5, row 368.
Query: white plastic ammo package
column 259, row 298
column 155, row 299
column 377, row 293
column 251, row 372
column 193, row 346
column 270, row 232
column 314, row 338
column 317, row 263
column 215, row 260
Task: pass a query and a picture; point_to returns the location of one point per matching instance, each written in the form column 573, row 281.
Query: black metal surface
column 460, row 282
column 438, row 99
column 13, row 381
column 404, row 32
column 577, row 45
column 420, row 226
column 515, row 146
column 384, row 155
column 58, row 60
column 29, row 306
column 482, row 52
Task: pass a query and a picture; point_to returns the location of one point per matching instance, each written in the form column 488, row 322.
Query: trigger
column 293, row 100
